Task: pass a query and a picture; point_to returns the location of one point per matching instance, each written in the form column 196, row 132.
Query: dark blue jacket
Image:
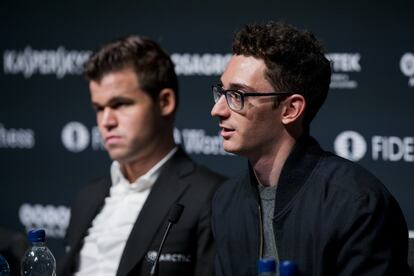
column 331, row 217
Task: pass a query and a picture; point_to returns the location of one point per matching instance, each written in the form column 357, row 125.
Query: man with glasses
column 295, row 201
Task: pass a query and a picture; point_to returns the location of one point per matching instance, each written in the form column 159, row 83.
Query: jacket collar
column 295, row 172
column 167, row 190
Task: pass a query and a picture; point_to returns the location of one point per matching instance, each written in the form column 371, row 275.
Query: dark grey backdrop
column 48, row 143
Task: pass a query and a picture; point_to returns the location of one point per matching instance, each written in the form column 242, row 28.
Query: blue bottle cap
column 37, row 235
column 288, row 268
column 266, row 265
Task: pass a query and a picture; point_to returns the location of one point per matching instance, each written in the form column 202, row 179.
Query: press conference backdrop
column 49, row 143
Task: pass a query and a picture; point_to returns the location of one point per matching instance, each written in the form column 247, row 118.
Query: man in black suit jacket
column 13, row 245
column 117, row 222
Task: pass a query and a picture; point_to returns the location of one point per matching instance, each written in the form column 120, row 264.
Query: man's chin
column 117, row 156
column 236, row 149
column 230, row 148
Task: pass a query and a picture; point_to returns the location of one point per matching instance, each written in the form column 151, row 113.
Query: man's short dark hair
column 151, row 64
column 294, row 59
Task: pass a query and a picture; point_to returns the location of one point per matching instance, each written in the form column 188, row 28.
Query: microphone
column 174, row 216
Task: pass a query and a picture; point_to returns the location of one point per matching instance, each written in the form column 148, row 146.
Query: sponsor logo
column 16, row 138
column 168, row 257
column 54, row 219
column 343, row 65
column 200, row 64
column 62, row 62
column 59, row 62
column 350, row 145
column 151, row 256
column 393, row 148
column 407, row 67
column 76, row 137
column 353, row 146
column 196, row 141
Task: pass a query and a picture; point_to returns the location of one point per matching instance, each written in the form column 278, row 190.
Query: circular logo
column 151, row 256
column 407, row 64
column 75, row 137
column 350, row 145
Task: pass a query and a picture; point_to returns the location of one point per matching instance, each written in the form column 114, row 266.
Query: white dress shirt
column 106, row 238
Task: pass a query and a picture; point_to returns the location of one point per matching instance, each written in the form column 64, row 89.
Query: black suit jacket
column 13, row 245
column 189, row 248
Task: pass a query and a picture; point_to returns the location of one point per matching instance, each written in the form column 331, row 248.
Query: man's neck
column 268, row 167
column 139, row 166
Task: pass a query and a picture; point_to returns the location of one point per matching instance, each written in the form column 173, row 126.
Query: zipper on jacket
column 261, row 232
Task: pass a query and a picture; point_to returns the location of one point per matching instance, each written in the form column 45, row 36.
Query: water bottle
column 266, row 267
column 38, row 260
column 288, row 268
column 4, row 267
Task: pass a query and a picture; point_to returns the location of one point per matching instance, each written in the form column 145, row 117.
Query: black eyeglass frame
column 241, row 94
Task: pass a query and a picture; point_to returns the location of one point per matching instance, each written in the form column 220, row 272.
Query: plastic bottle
column 288, row 268
column 266, row 267
column 4, row 267
column 38, row 260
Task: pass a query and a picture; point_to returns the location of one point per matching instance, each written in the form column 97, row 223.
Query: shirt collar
column 143, row 182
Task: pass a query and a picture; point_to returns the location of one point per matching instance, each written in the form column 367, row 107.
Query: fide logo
column 407, row 67
column 75, row 137
column 350, row 145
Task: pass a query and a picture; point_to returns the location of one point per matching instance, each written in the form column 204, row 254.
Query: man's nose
column 220, row 108
column 108, row 118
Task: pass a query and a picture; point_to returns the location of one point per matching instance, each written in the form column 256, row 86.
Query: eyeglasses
column 235, row 98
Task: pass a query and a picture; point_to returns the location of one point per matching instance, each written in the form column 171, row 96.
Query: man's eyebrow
column 113, row 101
column 96, row 106
column 119, row 99
column 239, row 86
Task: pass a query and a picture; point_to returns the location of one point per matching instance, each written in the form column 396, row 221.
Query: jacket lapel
column 166, row 191
column 84, row 217
column 101, row 190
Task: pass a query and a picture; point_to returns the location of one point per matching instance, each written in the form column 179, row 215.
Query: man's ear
column 167, row 101
column 293, row 109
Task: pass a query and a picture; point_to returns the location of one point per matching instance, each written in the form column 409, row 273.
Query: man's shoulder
column 203, row 180
column 187, row 168
column 231, row 188
column 93, row 187
column 206, row 173
column 347, row 173
column 101, row 182
column 346, row 180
